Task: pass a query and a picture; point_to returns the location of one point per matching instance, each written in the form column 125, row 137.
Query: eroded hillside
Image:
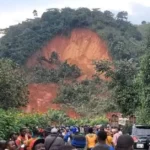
column 81, row 48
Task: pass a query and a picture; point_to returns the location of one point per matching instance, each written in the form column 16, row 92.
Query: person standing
column 109, row 140
column 102, row 136
column 53, row 141
column 116, row 135
column 91, row 139
column 125, row 142
column 22, row 138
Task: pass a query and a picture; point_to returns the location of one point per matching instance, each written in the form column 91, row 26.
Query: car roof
column 148, row 126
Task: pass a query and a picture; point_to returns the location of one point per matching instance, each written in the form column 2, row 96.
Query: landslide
column 32, row 39
column 81, row 48
column 41, row 99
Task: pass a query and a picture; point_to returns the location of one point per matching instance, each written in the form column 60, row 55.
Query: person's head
column 11, row 145
column 102, row 128
column 23, row 132
column 101, row 147
column 2, row 144
column 125, row 142
column 54, row 131
column 27, row 130
column 13, row 136
column 115, row 130
column 102, row 136
column 38, row 145
column 73, row 129
column 90, row 130
column 109, row 133
column 47, row 131
column 67, row 147
column 67, row 129
column 35, row 132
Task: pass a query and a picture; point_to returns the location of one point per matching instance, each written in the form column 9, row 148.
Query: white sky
column 15, row 11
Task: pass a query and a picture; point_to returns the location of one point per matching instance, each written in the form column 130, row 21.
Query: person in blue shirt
column 102, row 136
column 67, row 135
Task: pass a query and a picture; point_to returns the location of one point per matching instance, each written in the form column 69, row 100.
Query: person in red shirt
column 22, row 138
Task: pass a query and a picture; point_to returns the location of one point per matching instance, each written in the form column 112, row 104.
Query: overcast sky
column 15, row 11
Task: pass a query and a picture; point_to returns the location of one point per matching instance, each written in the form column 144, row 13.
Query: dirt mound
column 80, row 48
column 41, row 98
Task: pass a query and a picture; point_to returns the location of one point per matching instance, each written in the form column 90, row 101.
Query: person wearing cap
column 77, row 140
column 125, row 142
column 53, row 141
column 47, row 131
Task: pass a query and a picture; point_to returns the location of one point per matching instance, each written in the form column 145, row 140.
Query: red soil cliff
column 81, row 48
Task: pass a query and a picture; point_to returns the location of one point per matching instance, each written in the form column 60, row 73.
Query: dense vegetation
column 59, row 71
column 89, row 97
column 13, row 85
column 13, row 120
column 127, row 87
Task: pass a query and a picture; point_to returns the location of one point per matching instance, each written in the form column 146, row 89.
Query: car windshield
column 141, row 130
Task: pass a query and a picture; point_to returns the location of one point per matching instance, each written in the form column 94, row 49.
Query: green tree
column 142, row 83
column 122, row 86
column 35, row 13
column 108, row 13
column 123, row 15
column 13, row 85
column 143, row 22
column 68, row 71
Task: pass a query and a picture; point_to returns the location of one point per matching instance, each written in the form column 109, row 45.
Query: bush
column 64, row 71
column 13, row 120
column 88, row 97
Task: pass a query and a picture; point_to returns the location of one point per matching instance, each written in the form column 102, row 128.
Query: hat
column 73, row 129
column 125, row 141
column 48, row 130
column 54, row 130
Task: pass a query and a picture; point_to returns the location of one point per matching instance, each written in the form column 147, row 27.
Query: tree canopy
column 13, row 85
column 21, row 40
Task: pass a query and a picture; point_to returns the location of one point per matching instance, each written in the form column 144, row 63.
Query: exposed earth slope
column 81, row 48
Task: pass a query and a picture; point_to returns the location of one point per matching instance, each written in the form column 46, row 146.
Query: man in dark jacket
column 53, row 141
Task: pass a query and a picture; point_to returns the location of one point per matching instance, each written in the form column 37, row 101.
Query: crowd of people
column 68, row 138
